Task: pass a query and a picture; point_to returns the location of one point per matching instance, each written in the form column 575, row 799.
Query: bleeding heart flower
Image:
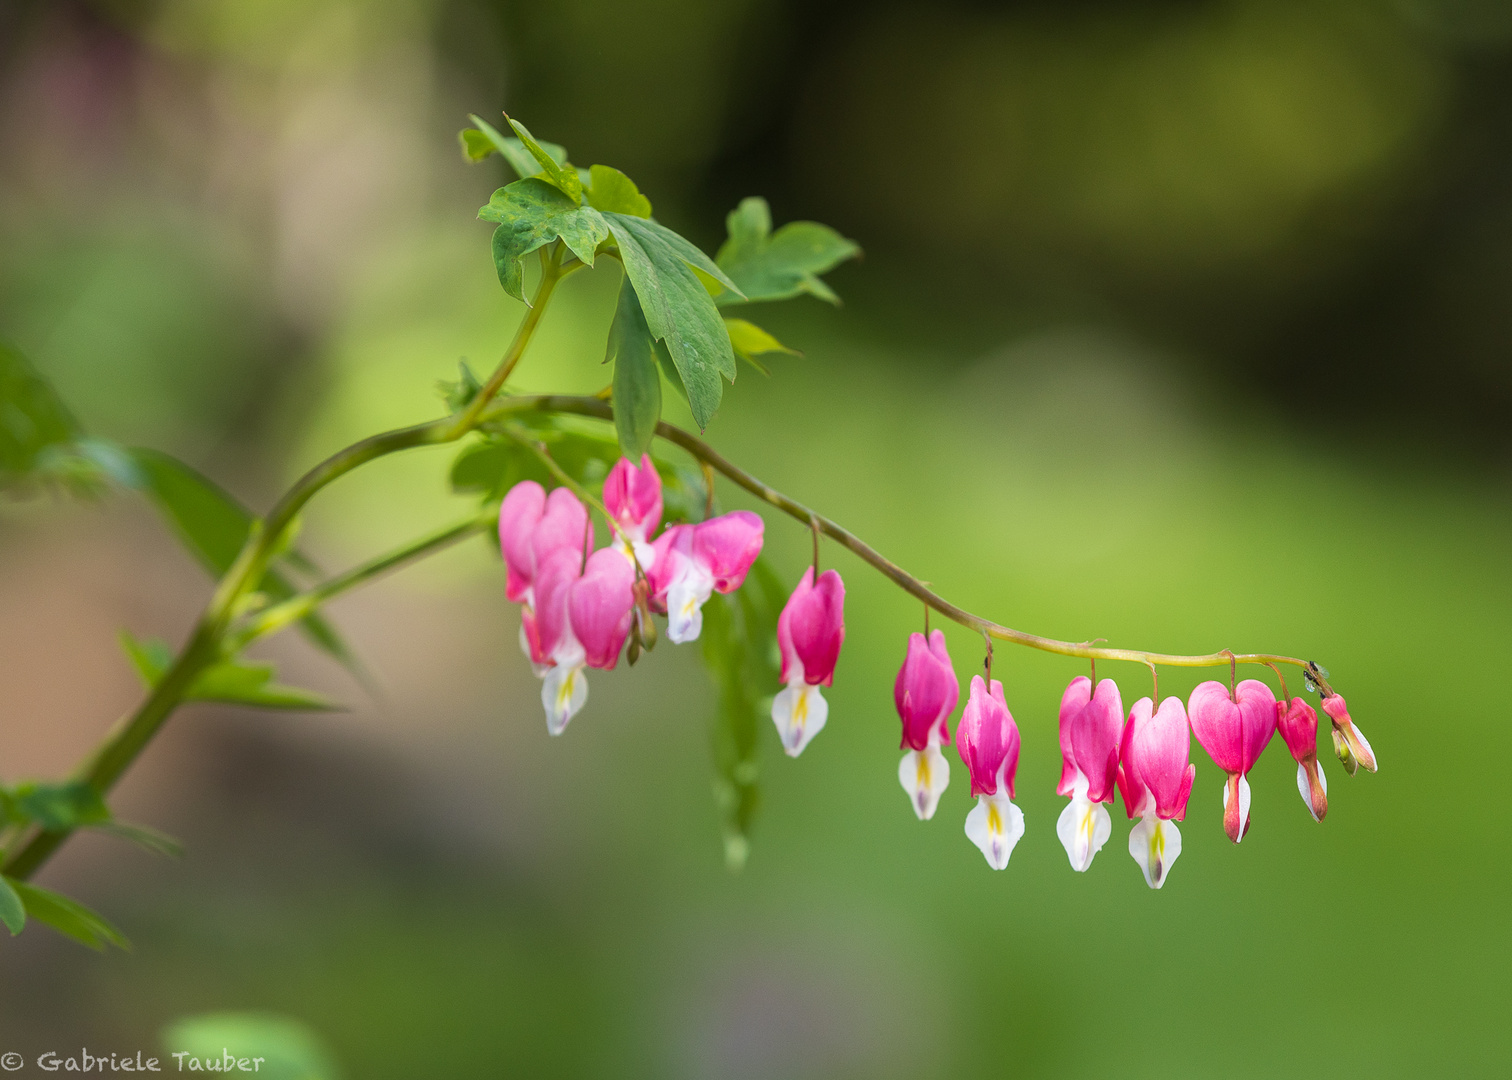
column 1155, row 778
column 810, row 631
column 691, row 562
column 633, row 497
column 925, row 694
column 1349, row 741
column 988, row 741
column 1234, row 731
column 1091, row 724
column 519, row 514
column 1298, row 723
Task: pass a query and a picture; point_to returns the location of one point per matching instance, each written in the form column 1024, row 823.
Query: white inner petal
column 924, row 774
column 1083, row 827
column 995, row 826
column 1155, row 844
column 685, row 600
column 799, row 712
column 563, row 693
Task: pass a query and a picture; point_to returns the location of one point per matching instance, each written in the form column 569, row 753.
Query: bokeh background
column 1187, row 324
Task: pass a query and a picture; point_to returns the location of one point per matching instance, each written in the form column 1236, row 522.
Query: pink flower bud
column 599, row 607
column 1298, row 723
column 1234, row 731
column 1091, row 724
column 926, row 691
column 811, row 629
column 519, row 514
column 633, row 497
column 1349, row 740
column 988, row 739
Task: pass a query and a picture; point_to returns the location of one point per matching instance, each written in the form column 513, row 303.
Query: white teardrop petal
column 995, row 825
column 563, row 693
column 924, row 774
column 1083, row 827
column 1155, row 844
column 685, row 600
column 799, row 712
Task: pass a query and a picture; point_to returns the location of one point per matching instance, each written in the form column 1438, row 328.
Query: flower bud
column 1349, row 741
column 1298, row 723
column 925, row 693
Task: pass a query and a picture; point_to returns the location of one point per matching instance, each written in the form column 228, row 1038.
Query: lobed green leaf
column 558, row 173
column 612, row 191
column 781, row 265
column 480, row 142
column 637, row 386
column 531, row 214
column 678, row 309
column 67, row 916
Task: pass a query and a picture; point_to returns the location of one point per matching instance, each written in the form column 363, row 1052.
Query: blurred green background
column 1187, row 324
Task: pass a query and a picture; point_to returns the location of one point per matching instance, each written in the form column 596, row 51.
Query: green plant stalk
column 706, row 454
column 297, row 607
column 129, row 736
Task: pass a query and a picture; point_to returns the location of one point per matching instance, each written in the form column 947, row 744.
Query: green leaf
column 613, row 191
column 39, row 437
column 738, row 640
column 233, row 683
column 780, row 265
column 460, row 394
column 159, row 843
column 479, row 144
column 67, row 916
column 12, row 909
column 213, row 526
column 637, row 387
column 68, row 805
column 678, row 309
column 559, row 173
column 750, row 341
column 289, row 1049
column 531, row 214
column 151, row 658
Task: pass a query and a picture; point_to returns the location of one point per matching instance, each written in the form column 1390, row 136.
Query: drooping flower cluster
column 1143, row 755
column 580, row 606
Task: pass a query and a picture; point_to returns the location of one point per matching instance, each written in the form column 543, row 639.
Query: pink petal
column 633, row 497
column 1298, row 723
column 519, row 514
column 1156, row 752
column 1093, row 732
column 811, row 629
column 926, row 691
column 1257, row 710
column 726, row 546
column 673, row 551
column 1216, row 723
column 563, row 527
column 554, row 580
column 988, row 739
column 599, row 607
